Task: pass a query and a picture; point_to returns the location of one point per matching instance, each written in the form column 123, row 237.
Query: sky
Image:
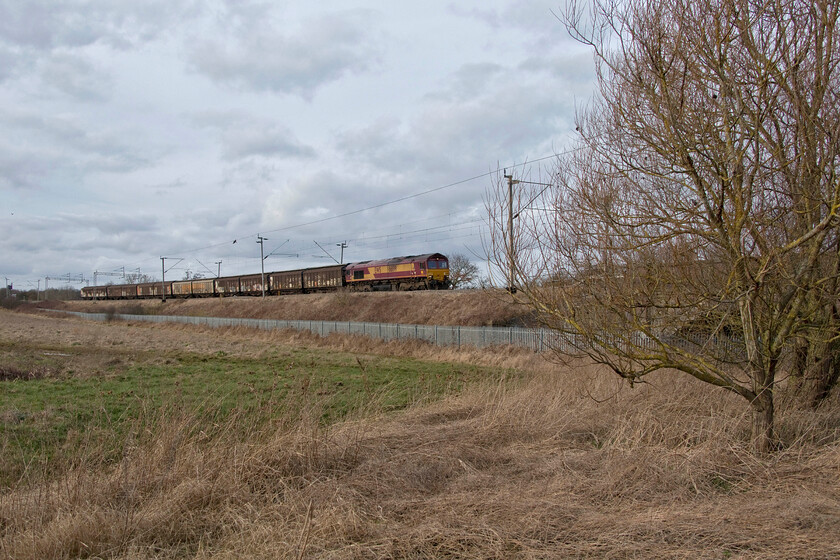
column 131, row 131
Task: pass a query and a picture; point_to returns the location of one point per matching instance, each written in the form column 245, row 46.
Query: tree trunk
column 763, row 433
column 822, row 377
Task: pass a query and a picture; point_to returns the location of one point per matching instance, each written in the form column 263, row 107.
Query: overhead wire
column 361, row 239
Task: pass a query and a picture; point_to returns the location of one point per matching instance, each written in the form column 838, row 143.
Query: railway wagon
column 430, row 271
column 323, row 279
column 95, row 292
column 182, row 288
column 122, row 291
column 154, row 289
column 203, row 288
column 288, row 281
column 251, row 285
column 227, row 286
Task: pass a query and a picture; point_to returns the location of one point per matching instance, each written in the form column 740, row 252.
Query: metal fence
column 537, row 340
column 440, row 335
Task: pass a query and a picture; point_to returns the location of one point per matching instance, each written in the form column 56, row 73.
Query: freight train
column 415, row 272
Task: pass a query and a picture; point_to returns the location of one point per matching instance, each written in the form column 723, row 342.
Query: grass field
column 51, row 407
column 183, row 442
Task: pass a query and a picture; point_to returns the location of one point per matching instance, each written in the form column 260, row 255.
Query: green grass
column 45, row 421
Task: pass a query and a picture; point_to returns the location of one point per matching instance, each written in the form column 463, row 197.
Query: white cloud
column 244, row 136
column 75, row 76
column 47, row 24
column 267, row 53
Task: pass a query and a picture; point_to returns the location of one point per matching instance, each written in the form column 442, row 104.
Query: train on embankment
column 415, row 272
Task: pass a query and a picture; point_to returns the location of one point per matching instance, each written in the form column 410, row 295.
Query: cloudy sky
column 139, row 129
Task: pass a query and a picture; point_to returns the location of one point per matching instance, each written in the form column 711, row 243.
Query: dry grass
column 458, row 307
column 563, row 463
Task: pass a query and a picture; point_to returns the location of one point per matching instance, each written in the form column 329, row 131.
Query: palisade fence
column 538, row 340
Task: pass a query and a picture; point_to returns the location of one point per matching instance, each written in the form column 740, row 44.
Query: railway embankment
column 456, row 307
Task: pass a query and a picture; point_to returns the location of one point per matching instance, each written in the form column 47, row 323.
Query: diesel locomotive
column 415, row 272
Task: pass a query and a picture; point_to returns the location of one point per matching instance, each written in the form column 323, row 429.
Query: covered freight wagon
column 325, row 278
column 122, row 291
column 252, row 284
column 182, row 288
column 227, row 286
column 286, row 281
column 155, row 289
column 95, row 292
column 203, row 287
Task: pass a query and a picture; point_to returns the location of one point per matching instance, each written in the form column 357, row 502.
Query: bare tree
column 462, row 272
column 138, row 278
column 695, row 227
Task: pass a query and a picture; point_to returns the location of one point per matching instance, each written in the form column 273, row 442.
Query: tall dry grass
column 559, row 463
column 447, row 307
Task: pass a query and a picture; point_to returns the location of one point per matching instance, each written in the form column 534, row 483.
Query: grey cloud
column 10, row 62
column 450, row 136
column 480, row 116
column 75, row 76
column 470, row 81
column 46, row 24
column 262, row 55
column 244, row 136
column 38, row 150
column 575, row 66
column 274, row 141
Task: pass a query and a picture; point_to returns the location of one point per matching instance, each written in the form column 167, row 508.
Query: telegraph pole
column 343, row 246
column 218, row 269
column 260, row 240
column 511, row 251
column 163, row 273
column 511, row 265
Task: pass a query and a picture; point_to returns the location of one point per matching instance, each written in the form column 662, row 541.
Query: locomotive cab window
column 433, row 264
column 358, row 275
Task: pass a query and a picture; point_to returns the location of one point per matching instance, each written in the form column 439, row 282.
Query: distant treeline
column 10, row 299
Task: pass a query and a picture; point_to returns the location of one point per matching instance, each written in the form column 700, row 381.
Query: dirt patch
column 12, row 373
